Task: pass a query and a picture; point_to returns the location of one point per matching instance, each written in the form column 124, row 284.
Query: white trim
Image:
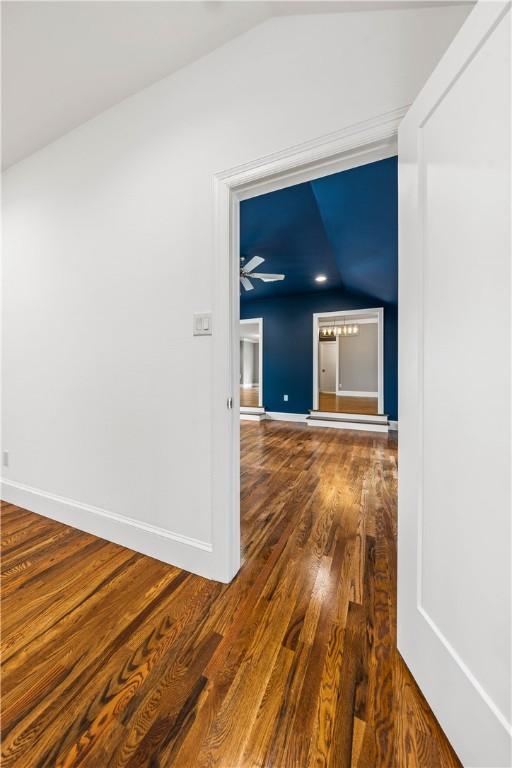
column 244, row 416
column 379, row 312
column 251, row 409
column 250, row 386
column 259, row 321
column 350, row 416
column 363, row 321
column 393, row 425
column 358, row 144
column 354, row 145
column 359, row 393
column 498, row 714
column 277, row 416
column 357, row 425
column 338, row 383
column 160, row 543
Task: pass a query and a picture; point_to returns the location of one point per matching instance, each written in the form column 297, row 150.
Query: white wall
column 248, row 355
column 359, row 360
column 256, row 363
column 108, row 252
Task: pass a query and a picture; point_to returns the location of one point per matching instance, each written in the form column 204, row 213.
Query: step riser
column 349, row 416
column 357, row 425
column 252, row 417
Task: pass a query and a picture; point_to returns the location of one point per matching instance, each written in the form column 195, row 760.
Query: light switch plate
column 202, row 324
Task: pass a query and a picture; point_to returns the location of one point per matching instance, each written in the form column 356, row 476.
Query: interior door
column 454, row 571
column 327, row 366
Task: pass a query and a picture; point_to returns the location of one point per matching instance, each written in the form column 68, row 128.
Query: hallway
column 115, row 659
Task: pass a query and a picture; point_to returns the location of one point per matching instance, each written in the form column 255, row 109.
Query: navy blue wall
column 288, row 346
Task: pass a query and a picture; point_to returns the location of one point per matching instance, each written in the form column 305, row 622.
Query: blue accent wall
column 288, row 346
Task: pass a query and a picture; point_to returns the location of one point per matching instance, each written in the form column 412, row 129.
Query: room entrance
column 348, row 362
column 251, row 365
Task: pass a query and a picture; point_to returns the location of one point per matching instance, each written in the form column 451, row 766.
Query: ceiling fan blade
column 267, row 278
column 246, row 283
column 252, row 264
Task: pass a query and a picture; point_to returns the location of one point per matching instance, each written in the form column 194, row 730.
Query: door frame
column 354, row 145
column 259, row 321
column 379, row 311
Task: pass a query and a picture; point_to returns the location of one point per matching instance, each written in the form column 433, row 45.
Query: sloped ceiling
column 65, row 62
column 286, row 229
column 344, row 226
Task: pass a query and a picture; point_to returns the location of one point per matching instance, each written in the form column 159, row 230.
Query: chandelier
column 339, row 329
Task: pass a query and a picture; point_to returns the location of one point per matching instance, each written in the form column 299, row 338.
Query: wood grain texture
column 328, row 401
column 114, row 660
column 249, row 397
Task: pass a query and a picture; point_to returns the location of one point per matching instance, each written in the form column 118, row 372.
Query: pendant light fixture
column 347, row 330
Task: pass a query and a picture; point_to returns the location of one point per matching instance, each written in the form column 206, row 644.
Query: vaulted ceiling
column 65, row 62
column 343, row 226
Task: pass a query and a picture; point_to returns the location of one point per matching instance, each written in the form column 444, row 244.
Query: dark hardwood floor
column 113, row 659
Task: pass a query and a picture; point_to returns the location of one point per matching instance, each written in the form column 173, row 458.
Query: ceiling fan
column 246, row 271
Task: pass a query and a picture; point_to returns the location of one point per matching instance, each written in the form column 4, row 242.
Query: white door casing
column 454, row 539
column 353, row 145
column 354, row 314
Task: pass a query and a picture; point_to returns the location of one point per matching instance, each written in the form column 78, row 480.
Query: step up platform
column 252, row 414
column 361, row 421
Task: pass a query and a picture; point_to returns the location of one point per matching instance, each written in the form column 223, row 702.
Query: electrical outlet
column 285, row 398
column 5, row 458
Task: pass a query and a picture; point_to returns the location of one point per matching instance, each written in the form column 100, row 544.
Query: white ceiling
column 65, row 62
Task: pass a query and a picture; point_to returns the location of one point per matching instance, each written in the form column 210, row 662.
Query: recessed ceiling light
column 320, row 278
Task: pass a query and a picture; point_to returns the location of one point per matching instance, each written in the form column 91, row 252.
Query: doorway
column 433, row 573
column 353, row 146
column 251, row 363
column 348, row 362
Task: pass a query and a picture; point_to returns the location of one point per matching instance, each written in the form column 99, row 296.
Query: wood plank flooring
column 249, row 397
column 328, row 401
column 112, row 659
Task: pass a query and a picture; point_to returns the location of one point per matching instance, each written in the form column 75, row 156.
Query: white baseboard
column 393, row 425
column 182, row 551
column 249, row 386
column 349, row 393
column 252, row 416
column 277, row 416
